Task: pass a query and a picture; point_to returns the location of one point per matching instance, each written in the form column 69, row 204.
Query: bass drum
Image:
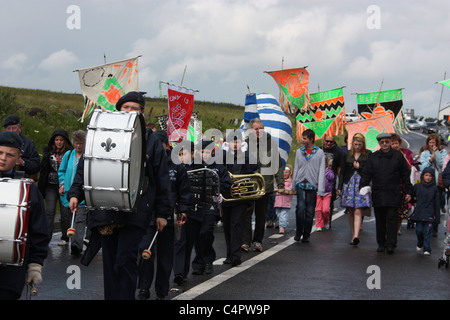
column 114, row 160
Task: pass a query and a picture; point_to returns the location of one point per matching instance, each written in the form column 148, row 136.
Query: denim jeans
column 305, row 211
column 424, row 231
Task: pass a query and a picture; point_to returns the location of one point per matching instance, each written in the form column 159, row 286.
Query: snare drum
column 114, row 160
column 14, row 213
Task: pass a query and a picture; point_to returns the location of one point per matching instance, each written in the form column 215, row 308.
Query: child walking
column 283, row 200
column 323, row 201
column 427, row 208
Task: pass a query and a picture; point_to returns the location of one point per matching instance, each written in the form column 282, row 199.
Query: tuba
column 246, row 187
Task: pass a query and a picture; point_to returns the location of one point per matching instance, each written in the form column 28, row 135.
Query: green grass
column 41, row 112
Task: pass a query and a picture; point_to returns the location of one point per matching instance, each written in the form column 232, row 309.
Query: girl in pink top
column 283, row 200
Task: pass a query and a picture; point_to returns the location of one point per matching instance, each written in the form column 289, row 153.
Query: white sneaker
column 62, row 243
column 327, row 226
column 418, row 249
column 427, row 253
column 319, row 229
column 257, row 246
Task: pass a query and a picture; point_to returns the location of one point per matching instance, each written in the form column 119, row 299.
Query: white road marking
column 194, row 292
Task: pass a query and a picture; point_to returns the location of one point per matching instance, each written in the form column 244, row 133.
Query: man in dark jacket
column 233, row 212
column 12, row 278
column 29, row 160
column 265, row 149
column 119, row 233
column 164, row 245
column 387, row 169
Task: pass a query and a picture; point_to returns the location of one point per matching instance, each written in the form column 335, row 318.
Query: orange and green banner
column 293, row 85
column 370, row 128
column 324, row 116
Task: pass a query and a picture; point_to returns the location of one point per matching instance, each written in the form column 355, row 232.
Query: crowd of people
column 180, row 207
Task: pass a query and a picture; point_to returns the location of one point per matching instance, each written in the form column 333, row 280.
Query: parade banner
column 265, row 107
column 325, row 115
column 445, row 83
column 180, row 105
column 102, row 86
column 370, row 129
column 293, row 85
column 380, row 103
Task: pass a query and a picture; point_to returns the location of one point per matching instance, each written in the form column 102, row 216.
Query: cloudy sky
column 228, row 44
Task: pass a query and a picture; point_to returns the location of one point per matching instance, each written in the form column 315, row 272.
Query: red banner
column 180, row 103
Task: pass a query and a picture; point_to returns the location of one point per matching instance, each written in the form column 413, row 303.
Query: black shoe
column 390, row 250
column 297, row 237
column 197, row 272
column 143, row 294
column 160, row 297
column 354, row 242
column 179, row 279
column 75, row 251
column 227, row 261
column 236, row 262
column 305, row 239
column 209, row 269
column 380, row 249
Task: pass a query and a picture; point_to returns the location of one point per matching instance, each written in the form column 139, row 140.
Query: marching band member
column 119, row 233
column 199, row 228
column 234, row 213
column 12, row 278
column 165, row 240
column 29, row 162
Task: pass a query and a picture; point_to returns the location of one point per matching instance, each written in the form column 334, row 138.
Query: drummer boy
column 13, row 278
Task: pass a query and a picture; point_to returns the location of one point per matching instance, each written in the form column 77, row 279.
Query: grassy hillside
column 44, row 111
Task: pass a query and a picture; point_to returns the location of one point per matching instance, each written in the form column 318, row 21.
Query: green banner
column 326, row 95
column 379, row 96
column 446, row 83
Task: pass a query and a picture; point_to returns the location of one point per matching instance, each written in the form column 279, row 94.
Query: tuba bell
column 246, row 187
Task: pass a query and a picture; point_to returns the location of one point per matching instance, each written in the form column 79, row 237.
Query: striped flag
column 265, row 107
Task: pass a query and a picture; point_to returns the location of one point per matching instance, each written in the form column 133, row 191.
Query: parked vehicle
column 351, row 117
column 413, row 124
column 430, row 127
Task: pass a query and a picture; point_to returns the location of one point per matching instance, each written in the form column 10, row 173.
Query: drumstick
column 34, row 291
column 146, row 254
column 71, row 231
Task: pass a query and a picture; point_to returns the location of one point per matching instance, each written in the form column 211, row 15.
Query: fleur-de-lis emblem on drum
column 108, row 145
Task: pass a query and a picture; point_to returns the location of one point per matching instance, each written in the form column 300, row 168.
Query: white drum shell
column 14, row 195
column 113, row 160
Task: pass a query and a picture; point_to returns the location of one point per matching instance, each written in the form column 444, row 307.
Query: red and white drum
column 14, row 213
column 114, row 160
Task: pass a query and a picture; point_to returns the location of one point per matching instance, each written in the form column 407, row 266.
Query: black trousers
column 386, row 226
column 162, row 250
column 120, row 268
column 233, row 218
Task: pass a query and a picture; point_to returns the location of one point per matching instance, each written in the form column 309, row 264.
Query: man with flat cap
column 13, row 278
column 30, row 160
column 119, row 233
column 386, row 170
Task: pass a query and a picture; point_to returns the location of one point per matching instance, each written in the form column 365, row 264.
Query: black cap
column 11, row 120
column 132, row 96
column 10, row 139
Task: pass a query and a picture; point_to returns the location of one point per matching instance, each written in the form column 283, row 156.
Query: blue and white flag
column 275, row 121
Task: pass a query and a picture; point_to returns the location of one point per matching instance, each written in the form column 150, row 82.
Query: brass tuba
column 246, row 187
